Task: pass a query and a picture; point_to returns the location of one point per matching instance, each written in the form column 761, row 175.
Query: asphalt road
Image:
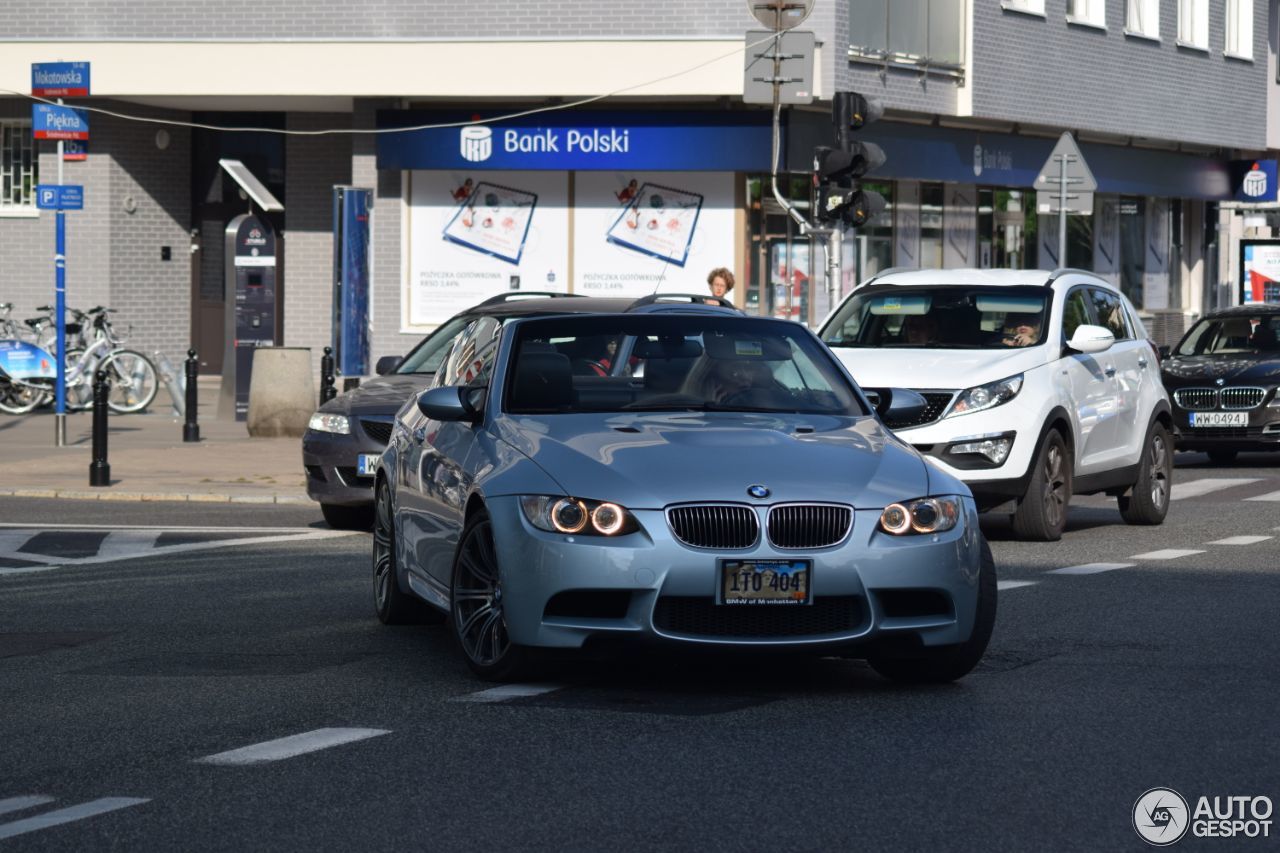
column 120, row 678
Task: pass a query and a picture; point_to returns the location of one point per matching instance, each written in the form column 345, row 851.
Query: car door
column 437, row 478
column 1086, row 388
column 1129, row 356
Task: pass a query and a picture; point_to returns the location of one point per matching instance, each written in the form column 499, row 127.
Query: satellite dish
column 781, row 15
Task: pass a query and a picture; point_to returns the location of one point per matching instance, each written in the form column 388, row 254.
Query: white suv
column 1038, row 385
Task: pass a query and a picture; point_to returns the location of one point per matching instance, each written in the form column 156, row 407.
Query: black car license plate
column 756, row 582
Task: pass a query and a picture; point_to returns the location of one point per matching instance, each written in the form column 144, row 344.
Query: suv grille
column 379, row 431
column 722, row 526
column 809, row 525
column 937, row 404
column 1204, row 399
column 702, row 617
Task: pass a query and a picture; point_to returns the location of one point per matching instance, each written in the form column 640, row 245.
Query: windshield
column 1232, row 335
column 431, row 350
column 664, row 362
column 941, row 318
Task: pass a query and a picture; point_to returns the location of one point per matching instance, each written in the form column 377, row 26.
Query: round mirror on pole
column 780, row 15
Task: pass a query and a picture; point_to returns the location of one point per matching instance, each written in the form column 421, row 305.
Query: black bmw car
column 346, row 436
column 1224, row 381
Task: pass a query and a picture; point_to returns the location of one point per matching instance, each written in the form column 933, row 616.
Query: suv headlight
column 986, row 396
column 577, row 516
column 924, row 515
column 325, row 422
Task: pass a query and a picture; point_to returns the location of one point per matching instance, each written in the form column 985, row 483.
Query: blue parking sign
column 60, row 196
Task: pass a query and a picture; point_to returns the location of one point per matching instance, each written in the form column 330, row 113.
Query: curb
column 196, row 497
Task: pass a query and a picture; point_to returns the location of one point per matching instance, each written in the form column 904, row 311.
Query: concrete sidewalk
column 148, row 459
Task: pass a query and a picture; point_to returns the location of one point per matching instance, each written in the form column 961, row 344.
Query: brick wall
column 313, row 165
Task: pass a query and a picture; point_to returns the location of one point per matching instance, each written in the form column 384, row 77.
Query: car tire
column 1041, row 515
column 475, row 610
column 1222, row 457
column 393, row 605
column 942, row 664
column 339, row 517
column 1149, row 501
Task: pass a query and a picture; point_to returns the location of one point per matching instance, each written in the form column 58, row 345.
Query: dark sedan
column 346, row 436
column 1224, row 381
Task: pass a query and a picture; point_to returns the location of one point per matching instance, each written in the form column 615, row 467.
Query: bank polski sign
column 1253, row 180
column 580, row 141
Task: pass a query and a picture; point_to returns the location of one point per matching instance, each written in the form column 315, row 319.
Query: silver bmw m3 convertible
column 679, row 475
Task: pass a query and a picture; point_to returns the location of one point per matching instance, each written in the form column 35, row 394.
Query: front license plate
column 367, row 464
column 1219, row 419
column 765, row 581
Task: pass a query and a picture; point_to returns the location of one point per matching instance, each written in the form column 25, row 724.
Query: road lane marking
column 17, row 804
column 1269, row 496
column 1167, row 554
column 11, row 541
column 1240, row 540
column 68, row 815
column 127, row 543
column 508, row 691
column 1090, row 568
column 1196, row 488
column 290, row 747
column 1003, row 585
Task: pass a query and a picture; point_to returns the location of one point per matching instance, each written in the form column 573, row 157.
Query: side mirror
column 900, row 404
column 1091, row 339
column 449, row 403
column 387, row 364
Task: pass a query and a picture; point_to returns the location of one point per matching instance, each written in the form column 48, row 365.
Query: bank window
column 1193, row 23
column 1035, row 7
column 18, row 168
column 1091, row 12
column 921, row 33
column 1239, row 29
column 1143, row 19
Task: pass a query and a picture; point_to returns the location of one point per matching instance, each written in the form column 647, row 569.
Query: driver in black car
column 744, row 383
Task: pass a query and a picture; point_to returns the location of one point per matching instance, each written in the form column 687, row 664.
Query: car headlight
column 986, row 396
column 1275, row 400
column 925, row 515
column 325, row 422
column 577, row 516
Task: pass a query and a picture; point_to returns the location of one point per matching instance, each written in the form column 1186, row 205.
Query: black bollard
column 327, row 389
column 99, row 470
column 191, row 429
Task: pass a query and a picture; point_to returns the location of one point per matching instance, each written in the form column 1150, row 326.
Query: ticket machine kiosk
column 250, row 252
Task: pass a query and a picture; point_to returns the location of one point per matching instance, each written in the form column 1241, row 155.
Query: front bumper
column 330, row 462
column 1261, row 433
column 561, row 591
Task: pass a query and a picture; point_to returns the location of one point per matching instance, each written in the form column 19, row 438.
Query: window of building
column 1035, row 7
column 910, row 32
column 875, row 239
column 931, row 199
column 1133, row 249
column 18, row 167
column 1006, row 227
column 1193, row 23
column 1239, row 29
column 1092, row 12
column 1143, row 19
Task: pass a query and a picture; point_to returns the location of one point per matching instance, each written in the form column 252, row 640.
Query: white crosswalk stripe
column 1241, row 540
column 290, row 747
column 1269, row 496
column 1003, row 585
column 1167, row 554
column 508, row 691
column 1090, row 569
column 17, row 804
column 67, row 815
column 126, row 543
column 1197, row 488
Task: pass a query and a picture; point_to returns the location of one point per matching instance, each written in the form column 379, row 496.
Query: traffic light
column 837, row 171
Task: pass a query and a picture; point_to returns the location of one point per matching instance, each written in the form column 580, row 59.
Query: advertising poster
column 1106, row 237
column 960, row 226
column 1259, row 271
column 471, row 236
column 907, row 210
column 1155, row 278
column 636, row 233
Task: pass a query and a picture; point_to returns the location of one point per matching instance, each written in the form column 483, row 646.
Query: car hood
column 383, row 395
column 650, row 460
column 935, row 368
column 1233, row 369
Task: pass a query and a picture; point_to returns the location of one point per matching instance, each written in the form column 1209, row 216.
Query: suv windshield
column 664, row 362
column 1232, row 335
column 943, row 317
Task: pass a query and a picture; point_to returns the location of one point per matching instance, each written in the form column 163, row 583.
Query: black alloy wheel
column 1041, row 515
column 392, row 604
column 479, row 625
column 1149, row 501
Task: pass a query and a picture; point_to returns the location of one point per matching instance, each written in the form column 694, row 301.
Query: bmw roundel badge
column 1221, row 381
column 758, row 491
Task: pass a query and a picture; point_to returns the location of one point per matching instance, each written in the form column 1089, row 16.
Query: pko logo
column 1254, row 184
column 476, row 143
column 1160, row 816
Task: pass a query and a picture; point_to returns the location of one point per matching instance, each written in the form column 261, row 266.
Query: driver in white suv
column 1039, row 385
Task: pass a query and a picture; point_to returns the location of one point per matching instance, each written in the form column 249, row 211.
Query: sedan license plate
column 367, row 464
column 765, row 581
column 1219, row 419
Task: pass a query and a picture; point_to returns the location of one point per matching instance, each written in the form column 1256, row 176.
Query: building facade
column 665, row 179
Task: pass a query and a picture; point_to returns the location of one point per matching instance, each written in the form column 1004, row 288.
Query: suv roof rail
column 889, row 271
column 1061, row 271
column 515, row 295
column 686, row 298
